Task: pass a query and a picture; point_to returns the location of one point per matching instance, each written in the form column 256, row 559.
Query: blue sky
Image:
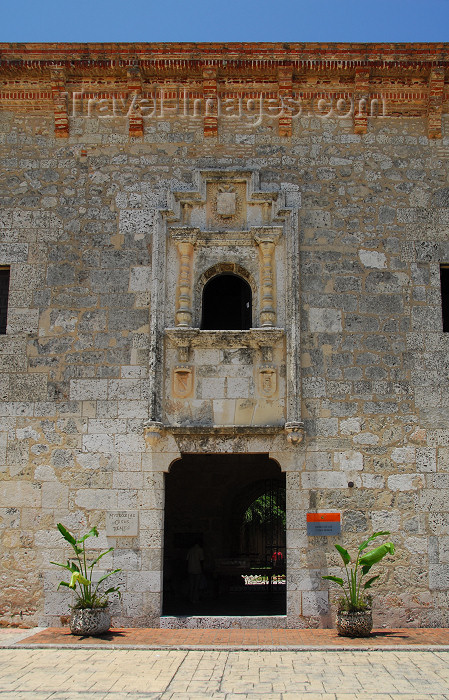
column 224, row 20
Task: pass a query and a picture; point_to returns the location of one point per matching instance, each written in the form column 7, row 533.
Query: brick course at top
column 408, row 79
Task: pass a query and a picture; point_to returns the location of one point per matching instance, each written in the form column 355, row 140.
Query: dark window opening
column 444, row 278
column 4, row 293
column 226, row 304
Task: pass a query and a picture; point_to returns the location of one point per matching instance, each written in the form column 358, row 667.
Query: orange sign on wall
column 323, row 523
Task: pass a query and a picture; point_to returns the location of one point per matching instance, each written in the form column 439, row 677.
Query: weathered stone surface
column 340, row 237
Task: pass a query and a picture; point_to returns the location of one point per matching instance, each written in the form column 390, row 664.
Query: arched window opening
column 226, row 304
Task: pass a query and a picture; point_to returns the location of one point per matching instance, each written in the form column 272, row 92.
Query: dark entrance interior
column 233, row 507
column 226, row 304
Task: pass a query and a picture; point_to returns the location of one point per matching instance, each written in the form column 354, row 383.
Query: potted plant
column 354, row 615
column 90, row 613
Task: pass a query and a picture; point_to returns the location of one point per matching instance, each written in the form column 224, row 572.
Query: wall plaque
column 323, row 523
column 122, row 523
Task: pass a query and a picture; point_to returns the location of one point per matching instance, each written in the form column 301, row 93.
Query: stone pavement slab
column 85, row 673
column 233, row 638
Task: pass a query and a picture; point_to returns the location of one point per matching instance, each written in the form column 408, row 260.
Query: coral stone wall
column 79, row 219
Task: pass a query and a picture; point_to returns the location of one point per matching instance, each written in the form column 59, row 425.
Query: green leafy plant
column 87, row 592
column 354, row 588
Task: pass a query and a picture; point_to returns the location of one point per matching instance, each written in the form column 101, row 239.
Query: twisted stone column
column 185, row 244
column 267, row 242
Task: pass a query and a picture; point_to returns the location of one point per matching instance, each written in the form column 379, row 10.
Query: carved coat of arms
column 182, row 381
column 267, row 381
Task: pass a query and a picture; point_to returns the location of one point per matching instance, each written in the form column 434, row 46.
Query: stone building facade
column 132, row 177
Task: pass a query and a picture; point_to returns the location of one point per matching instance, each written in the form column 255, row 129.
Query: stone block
column 224, row 412
column 348, row 461
column 23, row 321
column 372, row 258
column 403, row 455
column 325, row 320
column 267, row 412
column 20, row 494
column 88, row 389
column 55, row 495
column 142, row 581
column 315, row 603
column 98, row 443
column 127, row 559
column 140, row 279
column 373, row 481
column 244, row 410
column 433, row 500
column 386, row 520
column 323, row 480
column 28, row 387
column 405, row 482
column 130, row 443
column 212, row 388
column 439, row 577
column 237, row 387
column 96, row 499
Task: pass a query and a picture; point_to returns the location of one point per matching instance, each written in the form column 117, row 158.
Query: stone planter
column 90, row 621
column 354, row 624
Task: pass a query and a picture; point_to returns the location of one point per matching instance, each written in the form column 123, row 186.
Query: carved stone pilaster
column 185, row 242
column 267, row 242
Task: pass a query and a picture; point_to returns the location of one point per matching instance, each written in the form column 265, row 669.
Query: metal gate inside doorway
column 263, row 536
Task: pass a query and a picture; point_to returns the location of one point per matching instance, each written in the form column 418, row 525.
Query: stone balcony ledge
column 252, row 338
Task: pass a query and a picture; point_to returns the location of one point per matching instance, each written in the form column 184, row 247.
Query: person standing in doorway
column 195, row 563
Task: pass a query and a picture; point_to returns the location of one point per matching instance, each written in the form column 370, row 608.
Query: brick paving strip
column 237, row 639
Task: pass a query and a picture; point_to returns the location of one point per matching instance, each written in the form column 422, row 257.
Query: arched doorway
column 226, row 303
column 233, row 507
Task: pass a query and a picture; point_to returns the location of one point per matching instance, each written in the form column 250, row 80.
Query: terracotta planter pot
column 354, row 624
column 90, row 621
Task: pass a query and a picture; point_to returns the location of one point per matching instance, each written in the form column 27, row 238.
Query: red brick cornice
column 408, row 79
column 301, row 52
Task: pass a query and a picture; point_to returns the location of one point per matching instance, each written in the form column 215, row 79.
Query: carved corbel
column 185, row 243
column 295, row 432
column 152, row 432
column 59, row 95
column 267, row 243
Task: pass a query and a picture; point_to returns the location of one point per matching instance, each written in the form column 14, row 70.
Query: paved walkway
column 30, row 669
column 238, row 638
